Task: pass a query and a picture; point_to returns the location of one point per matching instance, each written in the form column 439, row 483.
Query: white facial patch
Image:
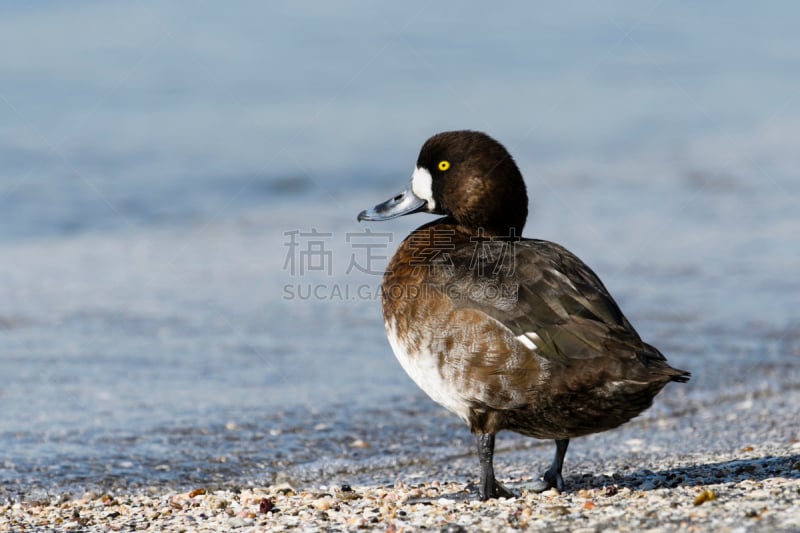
column 422, row 186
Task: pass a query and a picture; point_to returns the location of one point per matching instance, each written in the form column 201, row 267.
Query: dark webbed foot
column 494, row 490
column 488, row 487
column 474, row 491
column 548, row 481
column 471, row 491
column 552, row 478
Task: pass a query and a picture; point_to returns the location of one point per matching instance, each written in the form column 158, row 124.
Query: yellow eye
column 444, row 165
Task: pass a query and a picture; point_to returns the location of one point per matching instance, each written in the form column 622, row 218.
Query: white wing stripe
column 528, row 340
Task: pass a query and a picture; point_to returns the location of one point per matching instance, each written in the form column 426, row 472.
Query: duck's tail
column 655, row 361
column 681, row 376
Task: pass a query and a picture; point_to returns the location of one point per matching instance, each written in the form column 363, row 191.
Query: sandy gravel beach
column 728, row 465
column 755, row 490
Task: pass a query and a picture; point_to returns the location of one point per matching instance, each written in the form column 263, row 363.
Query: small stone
column 559, row 510
column 358, row 443
column 265, row 506
column 197, row 492
column 610, row 490
column 322, row 504
column 346, row 493
column 285, row 489
column 707, row 495
column 588, row 504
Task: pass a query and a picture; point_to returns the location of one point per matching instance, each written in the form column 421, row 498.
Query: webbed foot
column 489, row 487
column 549, row 480
column 552, row 478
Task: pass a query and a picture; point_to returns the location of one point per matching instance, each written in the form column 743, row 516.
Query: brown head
column 468, row 176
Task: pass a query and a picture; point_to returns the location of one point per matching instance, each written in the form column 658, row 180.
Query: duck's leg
column 489, row 486
column 552, row 478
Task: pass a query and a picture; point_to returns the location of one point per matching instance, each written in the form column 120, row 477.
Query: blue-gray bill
column 401, row 204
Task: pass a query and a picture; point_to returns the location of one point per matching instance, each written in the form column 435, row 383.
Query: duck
column 506, row 332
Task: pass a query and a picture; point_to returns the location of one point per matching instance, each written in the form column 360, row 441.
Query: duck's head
column 467, row 176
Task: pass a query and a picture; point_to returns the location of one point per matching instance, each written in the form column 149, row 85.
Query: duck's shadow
column 757, row 469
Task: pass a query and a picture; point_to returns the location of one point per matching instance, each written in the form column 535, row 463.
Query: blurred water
column 157, row 159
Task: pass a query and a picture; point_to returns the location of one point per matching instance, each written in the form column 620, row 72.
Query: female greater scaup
column 506, row 332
